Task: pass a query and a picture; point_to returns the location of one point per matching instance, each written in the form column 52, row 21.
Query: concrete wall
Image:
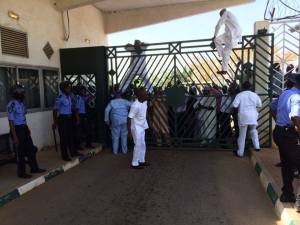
column 40, row 125
column 44, row 23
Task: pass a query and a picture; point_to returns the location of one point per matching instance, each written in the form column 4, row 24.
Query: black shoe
column 25, row 176
column 144, row 164
column 257, row 149
column 287, row 198
column 77, row 154
column 278, row 164
column 38, row 171
column 67, row 159
column 139, row 167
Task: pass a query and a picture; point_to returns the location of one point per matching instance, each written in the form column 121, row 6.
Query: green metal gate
column 182, row 80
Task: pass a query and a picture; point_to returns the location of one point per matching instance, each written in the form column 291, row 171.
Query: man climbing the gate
column 138, row 66
column 229, row 39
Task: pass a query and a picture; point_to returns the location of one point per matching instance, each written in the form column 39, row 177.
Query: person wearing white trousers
column 247, row 103
column 229, row 39
column 137, row 124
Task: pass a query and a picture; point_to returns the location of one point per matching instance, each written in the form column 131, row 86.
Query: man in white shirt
column 247, row 103
column 137, row 124
column 138, row 66
column 230, row 38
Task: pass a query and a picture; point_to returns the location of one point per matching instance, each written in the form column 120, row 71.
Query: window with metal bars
column 8, row 78
column 30, row 79
column 14, row 42
column 51, row 80
column 41, row 86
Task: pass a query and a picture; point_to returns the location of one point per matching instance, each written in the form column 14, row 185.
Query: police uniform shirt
column 16, row 112
column 287, row 106
column 63, row 105
column 295, row 105
column 80, row 104
column 274, row 104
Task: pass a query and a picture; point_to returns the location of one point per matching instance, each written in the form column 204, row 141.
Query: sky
column 189, row 28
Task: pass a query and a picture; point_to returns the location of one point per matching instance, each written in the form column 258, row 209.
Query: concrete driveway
column 179, row 188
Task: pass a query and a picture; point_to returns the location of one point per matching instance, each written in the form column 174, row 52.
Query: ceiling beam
column 62, row 5
column 129, row 19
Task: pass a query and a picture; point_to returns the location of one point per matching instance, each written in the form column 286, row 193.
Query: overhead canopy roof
column 117, row 5
column 122, row 15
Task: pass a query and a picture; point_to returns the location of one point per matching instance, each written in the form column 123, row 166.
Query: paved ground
column 48, row 159
column 180, row 188
column 269, row 157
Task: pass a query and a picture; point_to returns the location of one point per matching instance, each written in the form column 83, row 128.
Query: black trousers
column 84, row 130
column 225, row 127
column 236, row 124
column 288, row 142
column 66, row 134
column 24, row 149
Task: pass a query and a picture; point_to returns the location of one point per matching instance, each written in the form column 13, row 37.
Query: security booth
column 87, row 66
column 185, row 96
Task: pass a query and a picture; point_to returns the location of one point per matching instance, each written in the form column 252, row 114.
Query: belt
column 65, row 116
column 286, row 128
column 21, row 125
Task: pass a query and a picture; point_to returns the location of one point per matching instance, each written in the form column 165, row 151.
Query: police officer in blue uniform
column 286, row 136
column 83, row 131
column 62, row 117
column 20, row 133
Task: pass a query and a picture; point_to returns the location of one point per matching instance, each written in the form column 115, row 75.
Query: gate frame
column 254, row 42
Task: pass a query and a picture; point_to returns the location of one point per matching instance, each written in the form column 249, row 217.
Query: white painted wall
column 44, row 23
column 40, row 125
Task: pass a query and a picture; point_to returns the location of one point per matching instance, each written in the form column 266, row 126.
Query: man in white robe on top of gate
column 229, row 39
column 138, row 66
column 247, row 103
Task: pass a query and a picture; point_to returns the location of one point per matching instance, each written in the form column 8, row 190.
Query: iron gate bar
column 203, row 69
column 193, row 62
column 151, row 75
column 197, row 70
column 170, row 72
column 164, row 71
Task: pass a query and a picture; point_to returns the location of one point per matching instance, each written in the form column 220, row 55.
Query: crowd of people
column 213, row 112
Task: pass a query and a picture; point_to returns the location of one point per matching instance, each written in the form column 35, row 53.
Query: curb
column 285, row 212
column 18, row 192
